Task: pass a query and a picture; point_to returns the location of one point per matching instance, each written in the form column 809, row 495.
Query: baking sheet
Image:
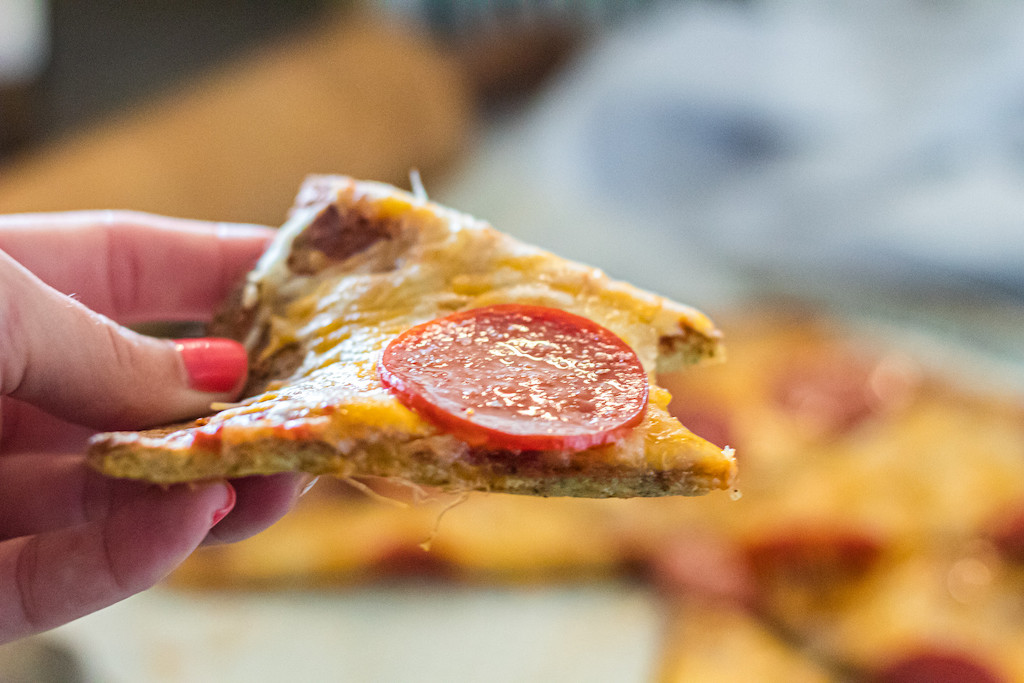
column 406, row 632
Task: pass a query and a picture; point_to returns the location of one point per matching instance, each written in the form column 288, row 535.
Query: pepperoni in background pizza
column 392, row 337
column 880, row 526
column 879, row 537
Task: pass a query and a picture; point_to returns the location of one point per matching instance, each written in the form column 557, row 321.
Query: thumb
column 79, row 365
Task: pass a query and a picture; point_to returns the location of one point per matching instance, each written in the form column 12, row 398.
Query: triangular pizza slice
column 390, row 336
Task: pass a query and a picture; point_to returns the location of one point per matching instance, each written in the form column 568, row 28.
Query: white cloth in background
column 838, row 148
column 24, row 40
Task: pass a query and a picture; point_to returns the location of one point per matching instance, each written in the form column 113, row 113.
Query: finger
column 78, row 365
column 27, row 429
column 52, row 578
column 43, row 493
column 261, row 501
column 135, row 267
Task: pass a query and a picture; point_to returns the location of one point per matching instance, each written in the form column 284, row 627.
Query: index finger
column 135, row 267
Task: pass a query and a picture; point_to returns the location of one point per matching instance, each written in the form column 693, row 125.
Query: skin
column 72, row 541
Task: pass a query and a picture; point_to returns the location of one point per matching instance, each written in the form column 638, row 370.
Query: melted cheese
column 345, row 315
column 317, row 338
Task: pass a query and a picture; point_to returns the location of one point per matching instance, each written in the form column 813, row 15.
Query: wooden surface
column 354, row 96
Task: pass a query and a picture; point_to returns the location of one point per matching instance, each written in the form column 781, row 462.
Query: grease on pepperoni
column 519, row 377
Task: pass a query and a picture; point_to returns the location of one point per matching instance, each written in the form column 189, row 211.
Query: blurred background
column 861, row 154
column 861, row 158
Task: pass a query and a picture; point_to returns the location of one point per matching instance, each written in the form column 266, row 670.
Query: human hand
column 72, row 541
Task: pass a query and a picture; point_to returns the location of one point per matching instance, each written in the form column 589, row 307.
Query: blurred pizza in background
column 878, row 533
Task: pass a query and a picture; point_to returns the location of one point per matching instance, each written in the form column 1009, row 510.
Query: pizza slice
column 390, row 336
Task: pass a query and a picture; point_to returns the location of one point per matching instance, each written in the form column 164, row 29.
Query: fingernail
column 228, row 506
column 213, row 365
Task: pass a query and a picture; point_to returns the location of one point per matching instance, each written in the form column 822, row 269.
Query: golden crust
column 358, row 263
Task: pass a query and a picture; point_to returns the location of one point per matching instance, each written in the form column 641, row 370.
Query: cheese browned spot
column 357, row 264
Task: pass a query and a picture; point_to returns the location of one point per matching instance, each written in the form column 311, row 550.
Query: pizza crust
column 358, row 263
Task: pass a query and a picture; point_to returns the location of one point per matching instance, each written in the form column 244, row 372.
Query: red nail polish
column 213, row 365
column 222, row 512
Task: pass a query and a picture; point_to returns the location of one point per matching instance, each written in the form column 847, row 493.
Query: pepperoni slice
column 1007, row 533
column 518, row 377
column 937, row 666
column 702, row 566
column 814, row 556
